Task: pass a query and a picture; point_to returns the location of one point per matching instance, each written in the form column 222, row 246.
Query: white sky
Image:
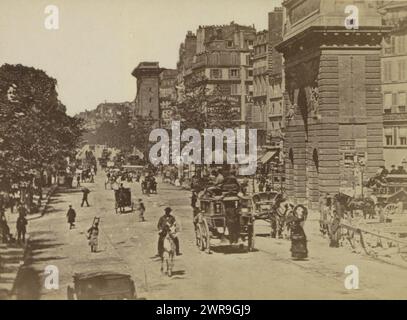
column 100, row 42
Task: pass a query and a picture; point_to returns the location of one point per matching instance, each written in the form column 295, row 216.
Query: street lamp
column 361, row 166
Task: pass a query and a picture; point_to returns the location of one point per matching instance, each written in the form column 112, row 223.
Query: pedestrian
column 194, row 199
column 298, row 249
column 93, row 235
column 21, row 227
column 261, row 186
column 12, row 201
column 4, row 228
column 71, row 217
column 141, row 209
column 78, row 181
column 85, row 192
column 219, row 178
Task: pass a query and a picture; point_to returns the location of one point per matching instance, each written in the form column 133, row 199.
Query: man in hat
column 163, row 225
column 21, row 226
column 85, row 192
column 71, row 215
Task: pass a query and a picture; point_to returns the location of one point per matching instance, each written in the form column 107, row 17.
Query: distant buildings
column 104, row 112
column 267, row 111
column 394, row 82
column 259, row 110
column 186, row 56
column 168, row 97
column 223, row 56
column 275, row 107
column 147, row 102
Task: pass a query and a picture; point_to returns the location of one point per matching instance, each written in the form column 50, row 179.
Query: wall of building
column 335, row 120
column 394, row 82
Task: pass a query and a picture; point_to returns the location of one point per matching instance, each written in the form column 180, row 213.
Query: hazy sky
column 100, row 42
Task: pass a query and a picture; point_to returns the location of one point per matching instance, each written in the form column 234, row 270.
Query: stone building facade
column 333, row 101
column 258, row 119
column 147, row 102
column 394, row 82
column 168, row 97
column 223, row 56
column 275, row 112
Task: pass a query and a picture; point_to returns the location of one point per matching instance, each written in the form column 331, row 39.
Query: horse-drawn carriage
column 123, row 200
column 265, row 208
column 391, row 191
column 149, row 185
column 226, row 215
column 102, row 286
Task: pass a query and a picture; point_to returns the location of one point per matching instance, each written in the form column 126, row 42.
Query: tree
column 126, row 132
column 36, row 133
column 204, row 106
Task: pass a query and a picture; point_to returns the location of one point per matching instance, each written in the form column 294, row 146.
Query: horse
column 346, row 204
column 167, row 256
column 282, row 209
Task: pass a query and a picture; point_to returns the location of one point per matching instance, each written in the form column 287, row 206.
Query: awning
column 267, row 157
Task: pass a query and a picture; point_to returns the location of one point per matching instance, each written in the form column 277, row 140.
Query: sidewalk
column 13, row 256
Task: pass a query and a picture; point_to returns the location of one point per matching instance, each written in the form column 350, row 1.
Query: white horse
column 168, row 253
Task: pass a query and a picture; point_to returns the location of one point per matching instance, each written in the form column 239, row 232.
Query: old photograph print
column 203, row 150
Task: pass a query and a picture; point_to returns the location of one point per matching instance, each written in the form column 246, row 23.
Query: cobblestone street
column 126, row 245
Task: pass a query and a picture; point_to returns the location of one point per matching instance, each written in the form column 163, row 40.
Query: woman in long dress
column 299, row 249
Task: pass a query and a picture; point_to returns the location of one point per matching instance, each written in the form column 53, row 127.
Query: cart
column 264, row 204
column 149, row 186
column 123, row 200
column 103, row 285
column 224, row 215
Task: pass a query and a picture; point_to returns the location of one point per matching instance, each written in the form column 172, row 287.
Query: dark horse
column 346, row 204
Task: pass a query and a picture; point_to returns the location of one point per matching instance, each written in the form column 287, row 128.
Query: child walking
column 141, row 209
column 93, row 234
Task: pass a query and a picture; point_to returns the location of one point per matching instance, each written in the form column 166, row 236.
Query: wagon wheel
column 390, row 209
column 251, row 238
column 206, row 238
column 197, row 236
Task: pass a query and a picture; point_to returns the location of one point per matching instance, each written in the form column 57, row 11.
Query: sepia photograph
column 214, row 150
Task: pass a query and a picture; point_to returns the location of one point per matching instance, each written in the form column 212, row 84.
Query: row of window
column 233, row 73
column 260, row 49
column 394, row 70
column 396, row 44
column 389, row 141
column 396, row 136
column 395, row 99
column 231, row 44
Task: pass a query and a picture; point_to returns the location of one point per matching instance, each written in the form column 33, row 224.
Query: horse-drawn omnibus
column 224, row 214
column 392, row 191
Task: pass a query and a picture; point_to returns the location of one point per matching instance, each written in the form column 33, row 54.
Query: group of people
column 87, row 175
column 265, row 184
column 21, row 228
column 217, row 178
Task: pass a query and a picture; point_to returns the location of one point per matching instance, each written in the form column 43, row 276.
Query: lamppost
column 361, row 166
